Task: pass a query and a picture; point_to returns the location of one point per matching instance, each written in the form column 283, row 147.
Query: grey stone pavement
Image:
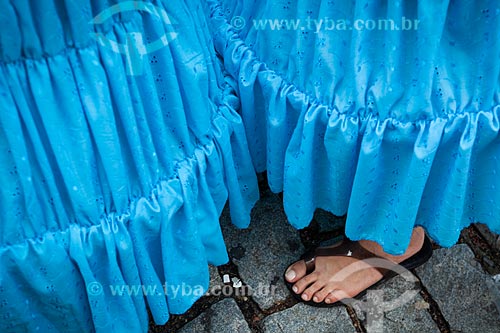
column 458, row 290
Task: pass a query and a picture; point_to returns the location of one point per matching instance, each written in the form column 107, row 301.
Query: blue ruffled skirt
column 125, row 129
column 394, row 125
column 111, row 179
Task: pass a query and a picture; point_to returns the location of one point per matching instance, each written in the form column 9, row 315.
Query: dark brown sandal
column 348, row 248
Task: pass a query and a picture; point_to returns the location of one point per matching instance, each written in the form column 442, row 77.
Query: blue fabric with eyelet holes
column 115, row 166
column 109, row 180
column 395, row 126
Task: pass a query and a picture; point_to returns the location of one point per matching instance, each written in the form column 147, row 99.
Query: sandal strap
column 345, row 248
column 310, row 260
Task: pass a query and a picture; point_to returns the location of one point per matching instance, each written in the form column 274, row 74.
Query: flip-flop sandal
column 348, row 248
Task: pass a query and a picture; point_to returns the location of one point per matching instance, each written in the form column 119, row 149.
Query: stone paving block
column 460, row 287
column 491, row 238
column 406, row 316
column 302, row 318
column 264, row 250
column 215, row 279
column 222, row 317
column 494, row 287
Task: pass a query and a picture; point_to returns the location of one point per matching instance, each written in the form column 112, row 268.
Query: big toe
column 296, row 271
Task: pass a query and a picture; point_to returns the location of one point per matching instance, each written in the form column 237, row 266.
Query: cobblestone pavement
column 458, row 290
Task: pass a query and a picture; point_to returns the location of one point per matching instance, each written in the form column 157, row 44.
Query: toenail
column 328, row 301
column 295, row 289
column 305, row 297
column 290, row 275
column 315, row 299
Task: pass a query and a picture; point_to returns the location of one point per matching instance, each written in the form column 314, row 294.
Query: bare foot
column 320, row 285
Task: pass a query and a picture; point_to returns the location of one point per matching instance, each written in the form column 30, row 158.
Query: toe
column 305, row 282
column 296, row 271
column 322, row 294
column 310, row 292
column 334, row 296
column 337, row 295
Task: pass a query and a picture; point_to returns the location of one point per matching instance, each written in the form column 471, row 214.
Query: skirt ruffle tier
column 395, row 130
column 112, row 182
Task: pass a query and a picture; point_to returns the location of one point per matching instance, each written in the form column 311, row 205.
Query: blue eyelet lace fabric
column 396, row 128
column 110, row 179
